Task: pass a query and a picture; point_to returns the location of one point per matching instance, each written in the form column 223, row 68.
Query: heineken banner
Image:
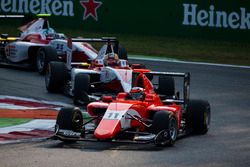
column 209, row 19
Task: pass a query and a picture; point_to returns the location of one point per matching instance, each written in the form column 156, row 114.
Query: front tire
column 43, row 56
column 70, row 119
column 165, row 127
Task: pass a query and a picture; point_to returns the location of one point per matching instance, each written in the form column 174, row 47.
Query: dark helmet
column 137, row 93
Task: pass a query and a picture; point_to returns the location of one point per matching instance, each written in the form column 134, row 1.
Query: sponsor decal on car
column 69, row 133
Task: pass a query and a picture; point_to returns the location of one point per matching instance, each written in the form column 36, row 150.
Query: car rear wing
column 100, row 40
column 186, row 83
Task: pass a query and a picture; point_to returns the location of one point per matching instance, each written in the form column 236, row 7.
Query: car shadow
column 100, row 146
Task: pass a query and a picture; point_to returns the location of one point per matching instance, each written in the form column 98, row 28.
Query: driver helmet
column 137, row 93
column 47, row 32
column 111, row 59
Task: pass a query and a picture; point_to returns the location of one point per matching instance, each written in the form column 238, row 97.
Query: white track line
column 186, row 62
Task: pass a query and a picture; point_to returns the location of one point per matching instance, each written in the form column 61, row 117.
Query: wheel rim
column 77, row 121
column 161, row 139
column 173, row 129
column 168, row 135
column 40, row 60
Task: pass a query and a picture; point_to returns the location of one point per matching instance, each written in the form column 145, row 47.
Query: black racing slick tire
column 69, row 119
column 198, row 116
column 166, row 86
column 56, row 77
column 122, row 53
column 81, row 88
column 43, row 56
column 164, row 126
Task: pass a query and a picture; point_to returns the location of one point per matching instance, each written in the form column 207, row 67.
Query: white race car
column 39, row 44
column 107, row 74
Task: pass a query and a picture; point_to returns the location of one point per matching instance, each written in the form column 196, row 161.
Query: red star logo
column 90, row 7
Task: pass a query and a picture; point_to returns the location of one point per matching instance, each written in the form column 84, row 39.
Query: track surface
column 227, row 143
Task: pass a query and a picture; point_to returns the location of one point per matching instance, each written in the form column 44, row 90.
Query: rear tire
column 122, row 53
column 56, row 77
column 81, row 88
column 43, row 56
column 198, row 116
column 165, row 127
column 166, row 86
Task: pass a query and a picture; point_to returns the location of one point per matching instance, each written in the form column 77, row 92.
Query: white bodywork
column 17, row 51
column 107, row 74
column 36, row 27
column 124, row 75
column 61, row 47
column 114, row 113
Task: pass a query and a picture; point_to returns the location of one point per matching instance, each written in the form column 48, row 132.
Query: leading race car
column 40, row 44
column 146, row 114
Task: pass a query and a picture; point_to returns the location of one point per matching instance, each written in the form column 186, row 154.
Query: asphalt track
column 227, row 143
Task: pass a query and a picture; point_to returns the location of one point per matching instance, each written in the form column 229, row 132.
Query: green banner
column 209, row 19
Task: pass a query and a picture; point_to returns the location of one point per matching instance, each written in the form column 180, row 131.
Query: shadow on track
column 101, row 146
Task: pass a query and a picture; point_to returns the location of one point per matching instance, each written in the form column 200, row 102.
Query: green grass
column 4, row 122
column 177, row 48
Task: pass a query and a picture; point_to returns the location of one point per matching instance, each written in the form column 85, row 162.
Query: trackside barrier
column 209, row 19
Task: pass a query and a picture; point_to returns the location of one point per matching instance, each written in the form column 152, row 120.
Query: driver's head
column 111, row 59
column 137, row 93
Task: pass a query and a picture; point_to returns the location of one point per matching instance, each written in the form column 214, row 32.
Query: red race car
column 148, row 113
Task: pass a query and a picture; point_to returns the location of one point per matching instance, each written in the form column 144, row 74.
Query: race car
column 146, row 114
column 109, row 73
column 39, row 44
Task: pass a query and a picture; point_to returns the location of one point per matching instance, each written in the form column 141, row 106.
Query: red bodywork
column 117, row 112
